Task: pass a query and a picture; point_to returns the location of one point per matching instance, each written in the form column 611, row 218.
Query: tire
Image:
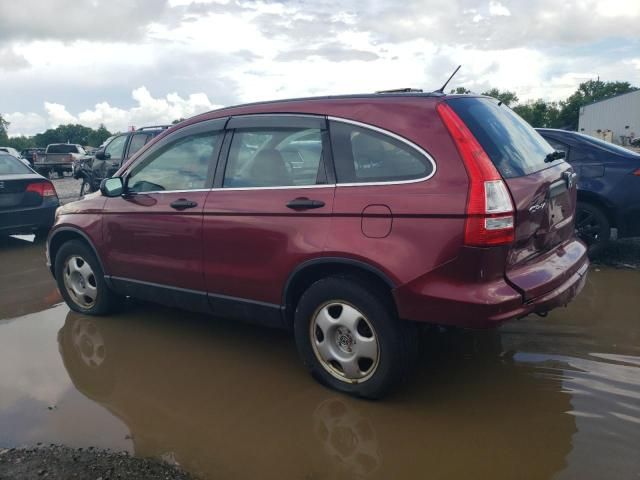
column 60, row 173
column 84, row 289
column 85, row 187
column 366, row 357
column 592, row 227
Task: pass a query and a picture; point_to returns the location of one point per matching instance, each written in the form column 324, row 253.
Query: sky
column 128, row 63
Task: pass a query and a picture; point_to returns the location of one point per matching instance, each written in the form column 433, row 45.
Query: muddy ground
column 539, row 398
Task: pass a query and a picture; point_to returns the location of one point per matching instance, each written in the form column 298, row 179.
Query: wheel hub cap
column 344, row 342
column 344, row 339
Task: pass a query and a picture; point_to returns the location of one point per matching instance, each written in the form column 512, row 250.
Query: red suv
column 350, row 219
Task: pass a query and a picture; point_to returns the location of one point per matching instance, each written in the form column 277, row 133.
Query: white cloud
column 147, row 111
column 498, row 10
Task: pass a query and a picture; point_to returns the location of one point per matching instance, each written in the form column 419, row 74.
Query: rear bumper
column 442, row 299
column 27, row 220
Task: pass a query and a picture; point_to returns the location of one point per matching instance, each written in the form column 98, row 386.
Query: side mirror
column 102, row 155
column 112, row 187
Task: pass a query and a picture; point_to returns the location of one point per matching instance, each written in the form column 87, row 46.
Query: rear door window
column 363, row 155
column 275, row 157
column 514, row 147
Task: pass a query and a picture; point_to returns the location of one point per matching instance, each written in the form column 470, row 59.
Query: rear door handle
column 303, row 203
column 183, row 204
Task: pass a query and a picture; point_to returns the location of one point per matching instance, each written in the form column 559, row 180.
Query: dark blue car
column 608, row 186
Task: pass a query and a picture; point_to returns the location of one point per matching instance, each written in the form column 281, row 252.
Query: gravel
column 67, row 188
column 60, row 462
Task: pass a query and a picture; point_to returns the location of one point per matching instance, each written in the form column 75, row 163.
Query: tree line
column 561, row 114
column 539, row 113
column 71, row 133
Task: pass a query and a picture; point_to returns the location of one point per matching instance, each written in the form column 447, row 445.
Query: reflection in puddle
column 540, row 398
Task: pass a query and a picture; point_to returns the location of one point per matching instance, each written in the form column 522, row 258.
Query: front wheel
column 350, row 338
column 81, row 280
column 592, row 227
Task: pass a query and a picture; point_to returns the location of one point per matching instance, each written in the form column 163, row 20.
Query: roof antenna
column 441, row 89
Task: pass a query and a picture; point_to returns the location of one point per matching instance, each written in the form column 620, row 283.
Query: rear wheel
column 592, row 226
column 350, row 338
column 81, row 280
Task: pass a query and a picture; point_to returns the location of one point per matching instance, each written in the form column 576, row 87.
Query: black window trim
column 395, row 136
column 214, row 125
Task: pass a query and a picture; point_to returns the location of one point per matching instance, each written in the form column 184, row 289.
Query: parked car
column 109, row 157
column 28, row 201
column 13, row 152
column 59, row 158
column 349, row 219
column 608, row 186
column 31, row 154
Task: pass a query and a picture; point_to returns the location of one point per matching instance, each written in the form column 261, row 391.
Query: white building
column 618, row 115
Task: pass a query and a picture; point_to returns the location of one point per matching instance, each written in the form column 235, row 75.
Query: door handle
column 183, row 204
column 303, row 203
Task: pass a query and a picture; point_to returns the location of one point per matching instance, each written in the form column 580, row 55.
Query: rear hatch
column 544, row 253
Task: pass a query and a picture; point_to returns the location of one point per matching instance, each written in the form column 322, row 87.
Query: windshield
column 12, row 166
column 513, row 146
column 610, row 147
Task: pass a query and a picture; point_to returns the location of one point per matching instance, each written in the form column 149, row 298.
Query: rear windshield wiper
column 555, row 155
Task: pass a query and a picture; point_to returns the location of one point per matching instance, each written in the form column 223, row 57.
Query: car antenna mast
column 441, row 89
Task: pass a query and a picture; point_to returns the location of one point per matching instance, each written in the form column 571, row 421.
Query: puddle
column 555, row 397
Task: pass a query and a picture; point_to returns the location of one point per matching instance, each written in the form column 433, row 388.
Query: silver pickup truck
column 59, row 158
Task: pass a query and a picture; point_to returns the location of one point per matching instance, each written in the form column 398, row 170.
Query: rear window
column 12, row 166
column 64, row 148
column 514, row 147
column 609, row 147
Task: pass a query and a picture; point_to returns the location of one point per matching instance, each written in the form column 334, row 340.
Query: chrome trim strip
column 392, row 135
column 287, row 187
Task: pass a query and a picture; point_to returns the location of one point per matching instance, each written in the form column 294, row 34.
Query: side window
column 115, row 147
column 560, row 147
column 180, row 165
column 363, row 155
column 138, row 141
column 275, row 157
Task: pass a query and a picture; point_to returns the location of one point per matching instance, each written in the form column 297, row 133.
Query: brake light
column 44, row 189
column 490, row 213
column 637, row 173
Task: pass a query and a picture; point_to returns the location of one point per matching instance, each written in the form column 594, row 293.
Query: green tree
column 507, row 97
column 97, row 137
column 460, row 91
column 4, row 125
column 588, row 92
column 539, row 113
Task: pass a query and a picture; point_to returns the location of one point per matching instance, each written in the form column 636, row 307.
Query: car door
column 270, row 211
column 153, row 232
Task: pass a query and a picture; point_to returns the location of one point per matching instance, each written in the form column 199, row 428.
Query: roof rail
column 164, row 127
column 401, row 90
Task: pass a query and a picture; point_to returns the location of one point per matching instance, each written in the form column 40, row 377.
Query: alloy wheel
column 80, row 281
column 344, row 342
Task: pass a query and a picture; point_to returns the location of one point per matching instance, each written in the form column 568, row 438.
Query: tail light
column 637, row 173
column 70, row 158
column 490, row 213
column 44, row 189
